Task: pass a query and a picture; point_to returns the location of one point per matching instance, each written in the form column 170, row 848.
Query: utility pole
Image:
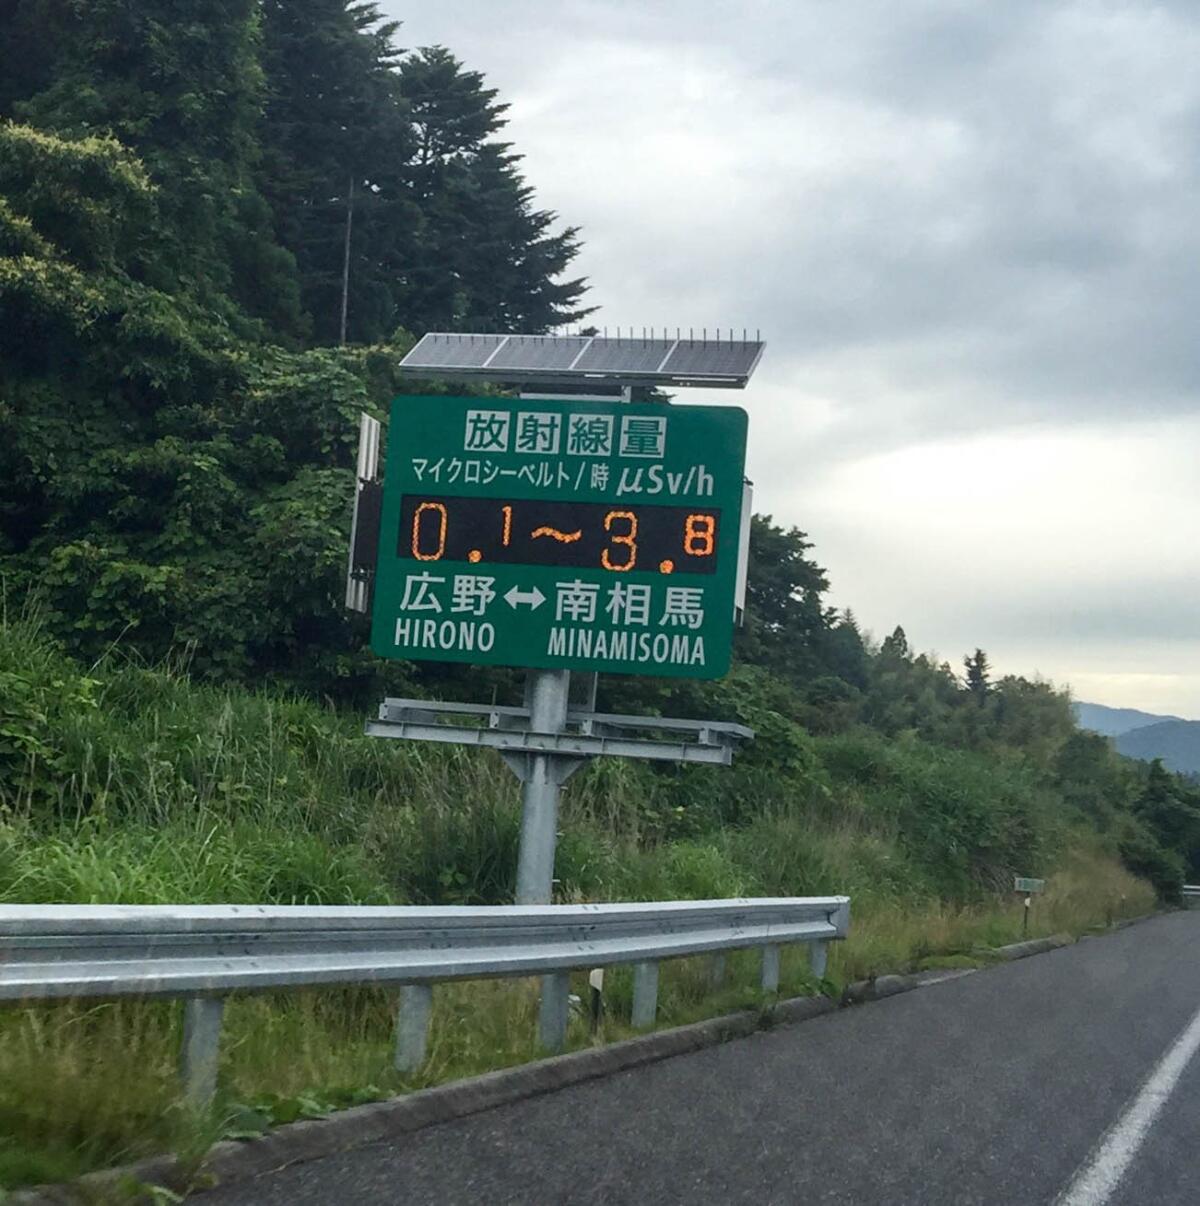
column 346, row 261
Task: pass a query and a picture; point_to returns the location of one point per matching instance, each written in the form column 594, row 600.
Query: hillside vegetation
column 1112, row 722
column 1175, row 742
column 127, row 783
column 1145, row 736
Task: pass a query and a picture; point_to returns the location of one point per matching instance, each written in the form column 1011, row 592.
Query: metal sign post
column 541, row 775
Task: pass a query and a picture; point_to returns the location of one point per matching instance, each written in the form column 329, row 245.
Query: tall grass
column 122, row 783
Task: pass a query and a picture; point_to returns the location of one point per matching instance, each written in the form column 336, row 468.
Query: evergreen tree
column 896, row 645
column 485, row 257
column 1168, row 810
column 977, row 671
column 787, row 627
column 336, row 141
column 174, row 477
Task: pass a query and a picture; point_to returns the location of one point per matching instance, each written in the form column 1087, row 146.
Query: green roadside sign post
column 561, row 531
column 1029, row 887
column 567, row 530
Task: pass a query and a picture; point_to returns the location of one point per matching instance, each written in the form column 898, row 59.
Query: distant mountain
column 1112, row 722
column 1176, row 742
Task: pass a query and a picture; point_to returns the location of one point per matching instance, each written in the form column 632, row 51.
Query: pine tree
column 896, row 645
column 486, row 258
column 787, row 627
column 1169, row 811
column 336, row 145
column 977, row 676
column 171, row 475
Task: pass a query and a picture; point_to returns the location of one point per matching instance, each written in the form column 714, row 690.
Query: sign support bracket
column 545, row 742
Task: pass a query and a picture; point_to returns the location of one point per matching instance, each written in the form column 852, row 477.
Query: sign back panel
column 561, row 535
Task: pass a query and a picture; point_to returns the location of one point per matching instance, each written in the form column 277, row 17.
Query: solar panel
column 453, row 351
column 693, row 357
column 539, row 353
column 624, row 355
column 565, row 360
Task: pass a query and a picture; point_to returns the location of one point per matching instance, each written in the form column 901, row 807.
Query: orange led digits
column 629, row 539
column 440, row 508
column 619, row 536
column 698, row 535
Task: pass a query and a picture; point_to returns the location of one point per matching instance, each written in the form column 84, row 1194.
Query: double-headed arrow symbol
column 535, row 598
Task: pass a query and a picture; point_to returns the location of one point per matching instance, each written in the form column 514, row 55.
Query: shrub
column 1149, row 860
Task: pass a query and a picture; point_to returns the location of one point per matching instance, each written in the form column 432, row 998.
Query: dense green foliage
column 173, row 208
column 131, row 783
column 128, row 783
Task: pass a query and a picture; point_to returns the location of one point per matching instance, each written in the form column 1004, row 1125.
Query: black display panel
column 617, row 537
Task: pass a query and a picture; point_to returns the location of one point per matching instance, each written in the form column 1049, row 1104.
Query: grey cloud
column 946, row 216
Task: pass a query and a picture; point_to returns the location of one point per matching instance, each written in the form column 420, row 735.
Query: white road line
column 1096, row 1180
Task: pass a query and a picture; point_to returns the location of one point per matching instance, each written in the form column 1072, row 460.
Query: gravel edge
column 879, row 987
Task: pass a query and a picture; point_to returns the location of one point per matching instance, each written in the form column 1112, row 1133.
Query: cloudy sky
column 970, row 233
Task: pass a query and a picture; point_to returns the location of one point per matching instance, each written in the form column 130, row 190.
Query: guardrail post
column 412, row 1026
column 552, row 1017
column 818, row 953
column 645, row 994
column 200, row 1053
column 716, row 971
column 770, row 969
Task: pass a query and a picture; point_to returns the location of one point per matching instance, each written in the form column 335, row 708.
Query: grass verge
column 85, row 1086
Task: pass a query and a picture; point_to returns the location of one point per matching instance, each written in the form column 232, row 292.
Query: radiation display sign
column 577, row 535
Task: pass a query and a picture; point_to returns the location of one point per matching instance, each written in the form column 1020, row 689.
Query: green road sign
column 1028, row 885
column 561, row 535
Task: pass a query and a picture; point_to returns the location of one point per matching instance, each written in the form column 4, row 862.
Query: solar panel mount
column 591, row 361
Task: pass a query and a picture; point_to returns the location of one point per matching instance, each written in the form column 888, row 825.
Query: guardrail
column 1191, row 892
column 204, row 952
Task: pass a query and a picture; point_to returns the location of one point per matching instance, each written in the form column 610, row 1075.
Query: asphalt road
column 992, row 1088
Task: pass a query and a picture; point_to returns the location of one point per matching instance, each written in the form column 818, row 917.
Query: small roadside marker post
column 1029, row 886
column 596, row 983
